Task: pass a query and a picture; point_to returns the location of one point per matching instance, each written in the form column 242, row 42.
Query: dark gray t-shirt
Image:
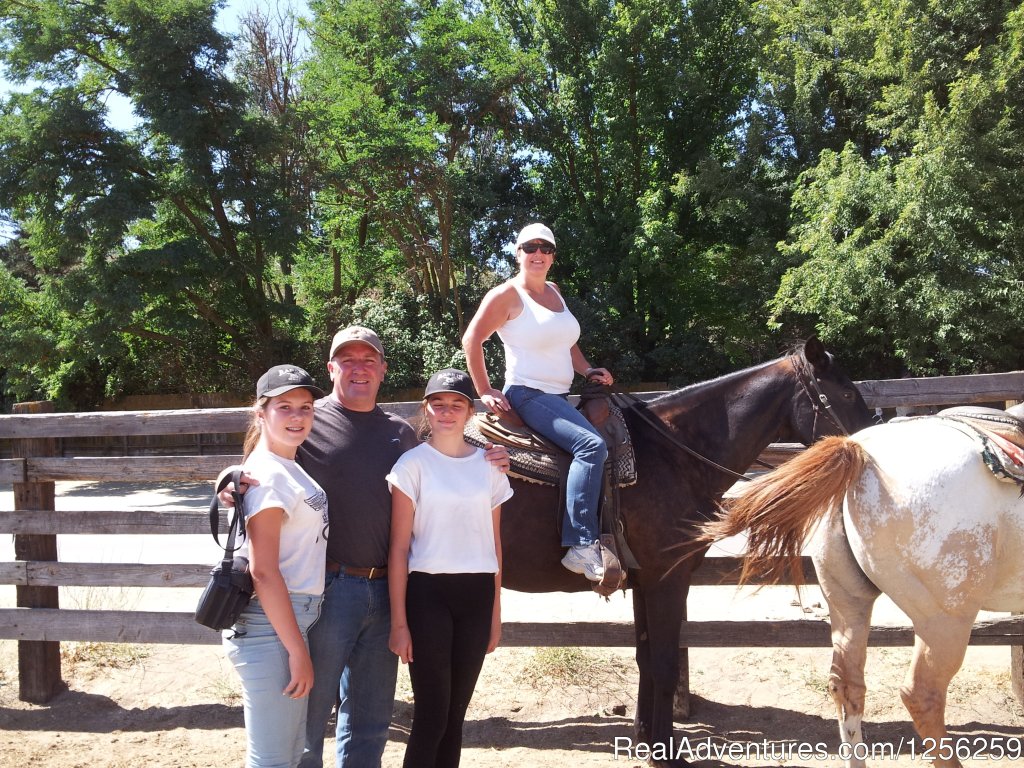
column 349, row 453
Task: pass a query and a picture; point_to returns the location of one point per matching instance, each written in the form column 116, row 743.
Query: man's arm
column 498, row 456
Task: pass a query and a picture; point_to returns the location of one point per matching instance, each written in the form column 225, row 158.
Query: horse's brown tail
column 779, row 509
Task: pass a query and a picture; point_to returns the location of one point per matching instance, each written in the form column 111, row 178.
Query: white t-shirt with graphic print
column 303, row 548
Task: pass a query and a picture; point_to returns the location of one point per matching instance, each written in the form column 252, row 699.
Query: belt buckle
column 372, row 569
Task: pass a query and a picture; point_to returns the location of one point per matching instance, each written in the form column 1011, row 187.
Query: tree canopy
column 722, row 178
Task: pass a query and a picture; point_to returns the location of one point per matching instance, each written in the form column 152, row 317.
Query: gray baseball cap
column 352, row 335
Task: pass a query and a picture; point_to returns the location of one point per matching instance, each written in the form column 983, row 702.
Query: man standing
column 352, row 447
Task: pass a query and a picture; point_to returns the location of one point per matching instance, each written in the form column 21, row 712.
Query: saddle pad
column 530, row 465
column 534, row 459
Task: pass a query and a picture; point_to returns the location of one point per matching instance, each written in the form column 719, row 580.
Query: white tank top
column 537, row 346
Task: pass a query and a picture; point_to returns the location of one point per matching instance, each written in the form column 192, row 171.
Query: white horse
column 909, row 509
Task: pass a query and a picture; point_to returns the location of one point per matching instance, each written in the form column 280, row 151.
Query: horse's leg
column 850, row 597
column 664, row 603
column 645, row 697
column 939, row 648
column 681, row 701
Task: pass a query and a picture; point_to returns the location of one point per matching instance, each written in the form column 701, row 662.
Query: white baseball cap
column 535, row 232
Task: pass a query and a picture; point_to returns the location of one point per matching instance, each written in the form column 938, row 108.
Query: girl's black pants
column 449, row 618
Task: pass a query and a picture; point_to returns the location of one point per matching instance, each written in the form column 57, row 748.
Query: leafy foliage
column 721, row 177
column 412, row 116
column 909, row 250
column 630, row 121
column 158, row 246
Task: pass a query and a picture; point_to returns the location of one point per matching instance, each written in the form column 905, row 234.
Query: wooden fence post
column 39, row 676
column 1016, row 651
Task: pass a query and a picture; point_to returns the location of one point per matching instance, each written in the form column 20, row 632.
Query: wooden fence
column 39, row 624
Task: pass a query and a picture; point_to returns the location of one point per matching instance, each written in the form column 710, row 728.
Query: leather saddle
column 537, row 460
column 1008, row 424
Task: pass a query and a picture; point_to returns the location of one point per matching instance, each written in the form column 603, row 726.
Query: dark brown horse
column 729, row 421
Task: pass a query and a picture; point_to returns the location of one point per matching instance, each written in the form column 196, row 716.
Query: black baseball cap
column 284, row 378
column 450, row 380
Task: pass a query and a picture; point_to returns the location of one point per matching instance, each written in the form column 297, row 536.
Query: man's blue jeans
column 554, row 418
column 351, row 661
column 275, row 724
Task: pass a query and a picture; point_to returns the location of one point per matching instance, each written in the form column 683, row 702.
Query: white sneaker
column 585, row 559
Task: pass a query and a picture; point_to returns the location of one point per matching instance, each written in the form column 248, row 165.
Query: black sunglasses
column 547, row 249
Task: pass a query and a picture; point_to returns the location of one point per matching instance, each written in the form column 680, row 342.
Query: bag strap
column 237, row 525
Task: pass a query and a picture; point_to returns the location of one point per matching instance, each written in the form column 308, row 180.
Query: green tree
column 635, row 99
column 159, row 249
column 411, row 119
column 910, row 253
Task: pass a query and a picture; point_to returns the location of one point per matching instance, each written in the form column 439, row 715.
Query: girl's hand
column 495, row 638
column 494, row 401
column 301, row 668
column 400, row 643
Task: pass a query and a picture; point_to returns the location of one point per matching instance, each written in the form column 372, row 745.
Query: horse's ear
column 815, row 354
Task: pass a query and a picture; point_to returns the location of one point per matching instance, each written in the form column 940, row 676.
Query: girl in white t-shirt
column 286, row 543
column 444, row 569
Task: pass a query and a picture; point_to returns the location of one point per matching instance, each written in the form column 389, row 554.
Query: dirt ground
column 163, row 706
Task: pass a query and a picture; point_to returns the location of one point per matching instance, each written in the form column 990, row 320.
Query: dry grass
column 102, row 655
column 225, row 688
column 577, row 672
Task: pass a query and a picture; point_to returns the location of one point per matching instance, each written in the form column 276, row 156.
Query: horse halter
column 819, row 400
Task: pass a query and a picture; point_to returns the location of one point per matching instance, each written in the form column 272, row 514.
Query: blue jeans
column 352, row 663
column 554, row 418
column 275, row 724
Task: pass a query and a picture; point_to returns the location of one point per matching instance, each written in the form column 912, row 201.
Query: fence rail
column 39, row 625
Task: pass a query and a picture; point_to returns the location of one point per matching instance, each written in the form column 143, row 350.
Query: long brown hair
column 252, row 435
column 420, row 423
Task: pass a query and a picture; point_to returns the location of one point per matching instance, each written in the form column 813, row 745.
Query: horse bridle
column 808, row 382
column 819, row 400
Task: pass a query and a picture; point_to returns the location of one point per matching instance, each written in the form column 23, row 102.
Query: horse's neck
column 732, row 419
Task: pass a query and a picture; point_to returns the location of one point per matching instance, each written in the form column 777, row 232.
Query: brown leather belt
column 377, row 572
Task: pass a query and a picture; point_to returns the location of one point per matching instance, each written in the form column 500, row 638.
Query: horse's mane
column 692, row 390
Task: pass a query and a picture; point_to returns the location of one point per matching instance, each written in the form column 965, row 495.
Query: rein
column 807, row 381
column 626, row 401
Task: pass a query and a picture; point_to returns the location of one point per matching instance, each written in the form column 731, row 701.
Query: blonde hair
column 252, row 435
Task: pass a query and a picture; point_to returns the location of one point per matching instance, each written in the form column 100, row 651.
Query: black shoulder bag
column 230, row 585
